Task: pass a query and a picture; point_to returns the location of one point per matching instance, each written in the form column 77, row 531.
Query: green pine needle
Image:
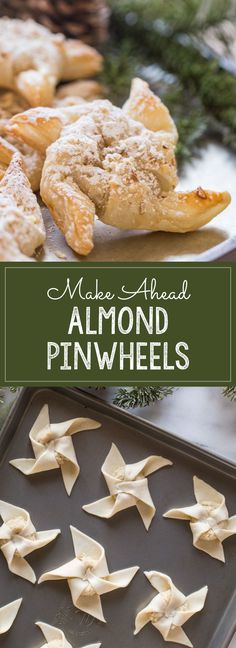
column 230, row 392
column 202, row 96
column 129, row 398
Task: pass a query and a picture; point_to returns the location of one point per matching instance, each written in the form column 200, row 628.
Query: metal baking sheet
column 210, row 243
column 166, row 547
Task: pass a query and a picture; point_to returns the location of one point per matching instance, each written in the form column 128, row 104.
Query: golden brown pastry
column 39, row 127
column 21, row 225
column 101, row 165
column 145, row 107
column 110, row 165
column 33, row 160
column 11, row 103
column 89, row 90
column 116, row 164
column 33, row 60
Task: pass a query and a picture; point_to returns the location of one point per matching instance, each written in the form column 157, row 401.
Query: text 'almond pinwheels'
column 55, row 638
column 170, row 609
column 209, row 519
column 88, row 575
column 128, row 486
column 8, row 614
column 19, row 538
column 53, row 447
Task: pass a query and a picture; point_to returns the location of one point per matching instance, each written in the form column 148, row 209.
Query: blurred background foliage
column 170, row 45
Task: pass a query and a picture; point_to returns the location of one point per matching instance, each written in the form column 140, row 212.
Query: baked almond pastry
column 88, row 90
column 11, row 104
column 104, row 164
column 170, row 609
column 55, row 638
column 40, row 127
column 21, row 224
column 33, row 160
column 8, row 614
column 33, row 60
column 116, row 164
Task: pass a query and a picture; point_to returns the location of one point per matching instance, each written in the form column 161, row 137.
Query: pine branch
column 129, row 398
column 189, row 16
column 12, row 389
column 122, row 64
column 230, row 392
column 202, row 78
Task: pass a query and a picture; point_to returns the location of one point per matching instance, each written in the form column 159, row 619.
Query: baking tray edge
column 227, row 627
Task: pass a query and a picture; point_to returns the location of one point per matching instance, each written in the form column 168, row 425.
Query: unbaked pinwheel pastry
column 19, row 538
column 33, row 60
column 128, row 486
column 209, row 519
column 170, row 609
column 55, row 638
column 88, row 575
column 21, row 225
column 8, row 614
column 53, row 447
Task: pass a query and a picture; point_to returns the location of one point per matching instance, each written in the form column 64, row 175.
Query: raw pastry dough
column 33, row 60
column 8, row 614
column 209, row 519
column 21, row 224
column 53, row 447
column 170, row 609
column 88, row 575
column 128, row 486
column 55, row 638
column 18, row 538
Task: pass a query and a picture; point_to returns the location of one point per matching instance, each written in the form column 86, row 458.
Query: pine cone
column 83, row 19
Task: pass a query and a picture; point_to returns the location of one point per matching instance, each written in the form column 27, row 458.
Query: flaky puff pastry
column 88, row 90
column 21, row 224
column 19, row 538
column 40, row 127
column 33, row 160
column 53, row 447
column 33, row 60
column 116, row 164
column 170, row 609
column 88, row 576
column 55, row 638
column 102, row 164
column 8, row 614
column 209, row 519
column 128, row 486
